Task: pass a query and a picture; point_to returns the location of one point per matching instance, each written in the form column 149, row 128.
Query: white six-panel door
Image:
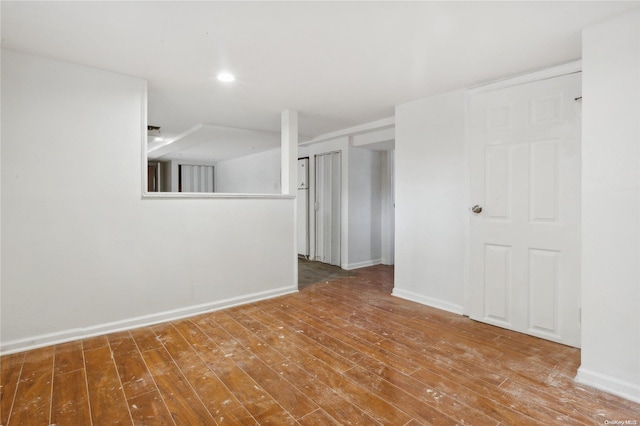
column 524, row 153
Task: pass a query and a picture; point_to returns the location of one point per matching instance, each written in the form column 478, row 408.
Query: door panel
column 543, row 282
column 327, row 208
column 195, row 178
column 497, row 178
column 497, row 282
column 524, row 152
column 543, row 200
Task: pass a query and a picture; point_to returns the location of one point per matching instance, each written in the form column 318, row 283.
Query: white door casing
column 302, row 210
column 524, row 158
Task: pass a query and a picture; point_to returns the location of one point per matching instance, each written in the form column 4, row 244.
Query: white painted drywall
column 289, row 151
column 611, row 206
column 365, row 207
column 388, row 207
column 431, row 207
column 82, row 252
column 254, row 174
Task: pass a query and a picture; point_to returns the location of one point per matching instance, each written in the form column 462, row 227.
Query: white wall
column 82, row 253
column 365, row 207
column 611, row 206
column 431, row 207
column 388, row 208
column 255, row 174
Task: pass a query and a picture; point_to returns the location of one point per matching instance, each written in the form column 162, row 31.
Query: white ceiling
column 213, row 143
column 340, row 64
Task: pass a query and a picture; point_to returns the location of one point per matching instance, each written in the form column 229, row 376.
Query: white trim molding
column 543, row 74
column 69, row 335
column 374, row 126
column 364, row 264
column 211, row 196
column 429, row 301
column 613, row 385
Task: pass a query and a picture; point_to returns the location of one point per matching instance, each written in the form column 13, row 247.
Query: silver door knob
column 476, row 209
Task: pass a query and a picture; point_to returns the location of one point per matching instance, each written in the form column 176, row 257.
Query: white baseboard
column 613, row 385
column 429, row 301
column 63, row 336
column 364, row 264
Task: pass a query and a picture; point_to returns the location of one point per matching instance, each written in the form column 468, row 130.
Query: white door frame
column 388, row 209
column 564, row 69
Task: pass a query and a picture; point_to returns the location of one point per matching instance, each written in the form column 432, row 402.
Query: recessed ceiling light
column 226, row 77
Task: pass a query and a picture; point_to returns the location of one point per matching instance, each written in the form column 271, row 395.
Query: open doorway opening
column 351, row 199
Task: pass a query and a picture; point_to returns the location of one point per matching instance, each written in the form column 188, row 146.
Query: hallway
column 310, row 272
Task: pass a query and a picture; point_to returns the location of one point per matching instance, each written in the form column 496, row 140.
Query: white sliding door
column 194, row 178
column 327, row 208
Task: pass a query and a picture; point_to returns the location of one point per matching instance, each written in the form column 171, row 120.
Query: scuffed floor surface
column 310, row 272
column 342, row 352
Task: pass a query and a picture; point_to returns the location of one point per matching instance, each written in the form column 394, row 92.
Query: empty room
column 316, row 213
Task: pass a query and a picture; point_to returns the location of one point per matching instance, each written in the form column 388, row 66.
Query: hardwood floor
column 342, row 352
column 310, row 272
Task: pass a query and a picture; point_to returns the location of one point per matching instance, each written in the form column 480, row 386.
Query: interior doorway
column 153, row 176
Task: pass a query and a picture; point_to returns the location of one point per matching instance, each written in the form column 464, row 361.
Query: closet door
column 194, row 178
column 524, row 151
column 327, row 207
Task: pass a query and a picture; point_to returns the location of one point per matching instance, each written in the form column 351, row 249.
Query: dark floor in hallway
column 310, row 272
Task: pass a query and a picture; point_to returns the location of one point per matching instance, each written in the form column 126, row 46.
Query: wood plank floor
column 338, row 352
column 310, row 272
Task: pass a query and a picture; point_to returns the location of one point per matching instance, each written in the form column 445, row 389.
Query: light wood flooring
column 337, row 352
